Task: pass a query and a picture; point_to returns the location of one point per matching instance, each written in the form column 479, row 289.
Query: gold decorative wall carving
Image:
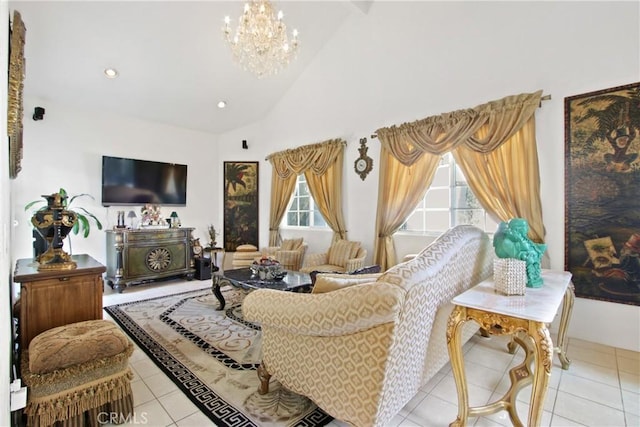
column 15, row 93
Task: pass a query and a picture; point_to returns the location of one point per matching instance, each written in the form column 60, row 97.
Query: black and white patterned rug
column 212, row 356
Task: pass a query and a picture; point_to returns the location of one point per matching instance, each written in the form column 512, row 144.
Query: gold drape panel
column 281, row 191
column 409, row 184
column 322, row 165
column 506, row 180
column 326, row 190
column 481, row 129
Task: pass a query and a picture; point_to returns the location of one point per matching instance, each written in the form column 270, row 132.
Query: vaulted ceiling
column 173, row 62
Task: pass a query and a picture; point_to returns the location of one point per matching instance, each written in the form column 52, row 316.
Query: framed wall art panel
column 240, row 204
column 15, row 93
column 602, row 191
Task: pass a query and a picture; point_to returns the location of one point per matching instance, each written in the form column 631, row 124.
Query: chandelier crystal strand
column 260, row 43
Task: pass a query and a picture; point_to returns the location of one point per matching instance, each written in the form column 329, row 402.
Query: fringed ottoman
column 244, row 256
column 78, row 375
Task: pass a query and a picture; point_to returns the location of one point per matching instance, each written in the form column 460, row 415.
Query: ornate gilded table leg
column 543, row 350
column 454, row 345
column 532, row 336
column 567, row 308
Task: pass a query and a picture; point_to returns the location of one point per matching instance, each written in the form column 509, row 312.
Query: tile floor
column 601, row 387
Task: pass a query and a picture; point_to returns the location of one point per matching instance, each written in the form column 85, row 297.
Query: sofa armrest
column 356, row 263
column 291, row 260
column 341, row 312
column 316, row 259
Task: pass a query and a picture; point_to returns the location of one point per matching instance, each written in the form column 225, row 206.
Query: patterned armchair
column 290, row 254
column 343, row 256
column 361, row 352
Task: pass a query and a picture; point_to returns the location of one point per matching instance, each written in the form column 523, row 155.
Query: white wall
column 66, row 148
column 404, row 61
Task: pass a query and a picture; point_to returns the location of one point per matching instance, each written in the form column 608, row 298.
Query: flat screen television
column 138, row 182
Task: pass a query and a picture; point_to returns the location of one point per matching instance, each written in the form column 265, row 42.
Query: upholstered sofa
column 361, row 352
column 290, row 254
column 342, row 256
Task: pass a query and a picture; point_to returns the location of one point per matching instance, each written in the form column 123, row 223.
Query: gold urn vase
column 54, row 223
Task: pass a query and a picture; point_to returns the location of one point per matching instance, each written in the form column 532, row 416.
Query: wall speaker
column 203, row 268
column 38, row 113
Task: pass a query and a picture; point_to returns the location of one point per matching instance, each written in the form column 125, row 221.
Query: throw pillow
column 246, row 248
column 342, row 251
column 290, row 244
column 327, row 282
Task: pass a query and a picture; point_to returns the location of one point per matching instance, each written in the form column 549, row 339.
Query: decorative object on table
column 15, row 90
column 196, row 248
column 213, row 234
column 121, row 223
column 81, row 223
column 510, row 276
column 151, row 215
column 267, row 269
column 132, row 216
column 511, row 241
column 54, row 223
column 602, row 178
column 240, row 204
column 363, row 164
column 174, row 221
column 260, row 43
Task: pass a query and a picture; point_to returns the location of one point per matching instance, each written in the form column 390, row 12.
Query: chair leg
column 264, row 377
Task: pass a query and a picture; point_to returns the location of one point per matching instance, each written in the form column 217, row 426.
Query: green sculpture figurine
column 511, row 241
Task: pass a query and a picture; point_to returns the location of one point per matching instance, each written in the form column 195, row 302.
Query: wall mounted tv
column 137, row 182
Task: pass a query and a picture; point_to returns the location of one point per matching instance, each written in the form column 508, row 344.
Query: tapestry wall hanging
column 240, row 204
column 602, row 190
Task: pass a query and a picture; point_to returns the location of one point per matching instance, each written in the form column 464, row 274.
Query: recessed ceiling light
column 111, row 73
column 222, row 104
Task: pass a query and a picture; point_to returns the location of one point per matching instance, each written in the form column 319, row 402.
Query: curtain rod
column 542, row 98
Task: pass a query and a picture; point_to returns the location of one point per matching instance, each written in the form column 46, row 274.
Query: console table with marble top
column 525, row 318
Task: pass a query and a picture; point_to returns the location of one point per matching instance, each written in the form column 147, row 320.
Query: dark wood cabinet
column 53, row 298
column 144, row 255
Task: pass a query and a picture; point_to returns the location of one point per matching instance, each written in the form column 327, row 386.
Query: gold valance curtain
column 322, row 165
column 474, row 136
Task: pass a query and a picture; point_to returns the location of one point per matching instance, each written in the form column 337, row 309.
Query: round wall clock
column 363, row 164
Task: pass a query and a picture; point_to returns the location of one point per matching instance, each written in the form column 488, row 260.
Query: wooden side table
column 526, row 319
column 53, row 298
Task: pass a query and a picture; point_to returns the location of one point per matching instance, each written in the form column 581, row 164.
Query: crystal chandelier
column 260, row 43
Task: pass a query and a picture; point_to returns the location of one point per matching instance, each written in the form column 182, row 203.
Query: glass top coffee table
column 243, row 278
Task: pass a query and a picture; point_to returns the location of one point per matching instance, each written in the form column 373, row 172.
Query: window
column 302, row 210
column 448, row 202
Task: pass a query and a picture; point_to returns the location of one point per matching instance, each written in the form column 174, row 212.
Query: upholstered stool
column 245, row 255
column 78, row 375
